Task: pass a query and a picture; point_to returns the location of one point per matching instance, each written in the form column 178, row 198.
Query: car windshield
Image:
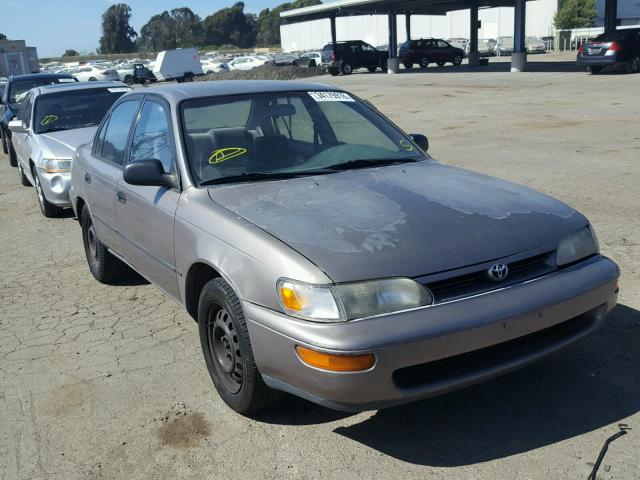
column 74, row 108
column 255, row 136
column 20, row 87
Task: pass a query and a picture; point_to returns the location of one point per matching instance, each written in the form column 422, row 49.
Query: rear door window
column 117, row 132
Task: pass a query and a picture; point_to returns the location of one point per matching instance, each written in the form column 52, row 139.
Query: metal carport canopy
column 371, row 7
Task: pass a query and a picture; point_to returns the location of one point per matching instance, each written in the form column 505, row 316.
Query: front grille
column 479, row 282
column 489, row 358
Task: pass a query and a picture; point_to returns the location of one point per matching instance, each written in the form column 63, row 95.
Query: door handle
column 122, row 198
column 87, row 178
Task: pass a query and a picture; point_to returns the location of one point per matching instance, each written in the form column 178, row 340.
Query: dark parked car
column 619, row 48
column 429, row 50
column 14, row 91
column 347, row 56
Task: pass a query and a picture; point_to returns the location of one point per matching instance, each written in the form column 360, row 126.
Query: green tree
column 179, row 29
column 230, row 26
column 188, row 27
column 71, row 53
column 117, row 35
column 2, row 37
column 269, row 21
column 575, row 14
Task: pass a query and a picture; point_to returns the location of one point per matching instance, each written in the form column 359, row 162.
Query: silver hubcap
column 92, row 242
column 39, row 190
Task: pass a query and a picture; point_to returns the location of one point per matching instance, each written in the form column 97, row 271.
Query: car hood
column 64, row 143
column 402, row 220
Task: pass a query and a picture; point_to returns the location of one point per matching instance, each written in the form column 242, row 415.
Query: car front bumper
column 433, row 350
column 56, row 187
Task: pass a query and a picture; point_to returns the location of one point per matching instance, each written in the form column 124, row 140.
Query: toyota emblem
column 498, row 272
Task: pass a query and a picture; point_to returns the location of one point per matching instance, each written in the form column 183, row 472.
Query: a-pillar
column 474, row 56
column 519, row 55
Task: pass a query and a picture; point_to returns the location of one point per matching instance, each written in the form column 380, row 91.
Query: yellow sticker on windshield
column 407, row 146
column 47, row 119
column 224, row 154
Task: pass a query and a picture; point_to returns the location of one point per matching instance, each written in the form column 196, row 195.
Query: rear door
column 145, row 215
column 370, row 56
column 104, row 171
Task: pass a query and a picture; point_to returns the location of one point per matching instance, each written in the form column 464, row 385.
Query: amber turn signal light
column 336, row 363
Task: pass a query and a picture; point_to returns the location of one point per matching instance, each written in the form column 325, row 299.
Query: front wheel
column 333, row 72
column 129, row 80
column 13, row 158
column 227, row 350
column 104, row 267
column 188, row 78
column 372, row 69
column 24, row 181
column 408, row 65
column 93, row 79
column 594, row 69
column 48, row 209
column 634, row 66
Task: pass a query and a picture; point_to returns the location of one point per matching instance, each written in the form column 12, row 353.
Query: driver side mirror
column 16, row 126
column 421, row 141
column 148, row 173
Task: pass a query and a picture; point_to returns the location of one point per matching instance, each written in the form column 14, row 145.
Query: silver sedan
column 323, row 252
column 52, row 122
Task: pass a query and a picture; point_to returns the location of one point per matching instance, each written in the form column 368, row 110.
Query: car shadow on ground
column 591, row 384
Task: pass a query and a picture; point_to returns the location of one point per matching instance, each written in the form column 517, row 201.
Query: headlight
column 351, row 300
column 577, row 246
column 56, row 165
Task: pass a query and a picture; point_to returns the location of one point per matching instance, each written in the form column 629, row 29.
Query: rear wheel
column 4, row 142
column 346, row 69
column 13, row 158
column 372, row 69
column 104, row 267
column 227, row 350
column 457, row 60
column 93, row 79
column 634, row 66
column 408, row 65
column 333, row 72
column 24, row 181
column 129, row 80
column 441, row 64
column 188, row 78
column 48, row 209
column 594, row 69
column 424, row 62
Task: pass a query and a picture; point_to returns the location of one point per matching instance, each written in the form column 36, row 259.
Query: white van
column 181, row 65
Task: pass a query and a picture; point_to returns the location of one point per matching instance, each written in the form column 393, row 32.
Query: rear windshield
column 20, row 87
column 287, row 133
column 74, row 108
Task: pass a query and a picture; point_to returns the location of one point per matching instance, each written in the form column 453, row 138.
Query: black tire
column 440, row 64
column 13, row 158
column 594, row 69
column 372, row 69
column 227, row 350
column 457, row 59
column 634, row 65
column 346, row 69
column 129, row 80
column 188, row 78
column 333, row 72
column 93, row 79
column 104, row 267
column 408, row 65
column 48, row 209
column 424, row 62
column 4, row 142
column 24, row 181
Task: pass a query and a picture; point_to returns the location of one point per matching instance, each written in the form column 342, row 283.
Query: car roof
column 40, row 75
column 61, row 87
column 177, row 92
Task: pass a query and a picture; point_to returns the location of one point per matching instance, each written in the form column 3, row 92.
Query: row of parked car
column 320, row 249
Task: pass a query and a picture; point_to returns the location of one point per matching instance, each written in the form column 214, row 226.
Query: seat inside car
column 204, row 147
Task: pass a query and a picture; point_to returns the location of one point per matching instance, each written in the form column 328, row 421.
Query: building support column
column 407, row 25
column 519, row 55
column 393, row 64
column 610, row 15
column 334, row 37
column 474, row 56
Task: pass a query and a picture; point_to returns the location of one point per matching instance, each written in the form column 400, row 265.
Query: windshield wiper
column 262, row 176
column 370, row 162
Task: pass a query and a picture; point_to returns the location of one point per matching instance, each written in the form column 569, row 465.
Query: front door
column 145, row 215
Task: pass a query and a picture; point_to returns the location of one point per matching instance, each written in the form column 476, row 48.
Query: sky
column 53, row 26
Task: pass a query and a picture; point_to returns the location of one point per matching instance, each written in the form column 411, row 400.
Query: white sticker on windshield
column 118, row 89
column 331, row 97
